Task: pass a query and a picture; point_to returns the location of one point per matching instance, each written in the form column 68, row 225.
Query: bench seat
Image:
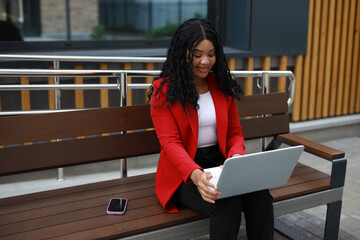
column 56, row 140
column 79, row 212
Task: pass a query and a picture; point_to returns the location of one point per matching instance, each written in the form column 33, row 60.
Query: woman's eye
column 212, row 55
column 197, row 56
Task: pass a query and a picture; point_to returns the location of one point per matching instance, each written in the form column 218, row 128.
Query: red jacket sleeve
column 235, row 137
column 169, row 131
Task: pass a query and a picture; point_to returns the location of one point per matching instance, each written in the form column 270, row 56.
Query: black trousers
column 225, row 214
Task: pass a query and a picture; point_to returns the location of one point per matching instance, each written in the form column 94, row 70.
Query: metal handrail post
column 122, row 85
column 265, row 79
column 57, row 91
column 57, row 100
column 291, row 89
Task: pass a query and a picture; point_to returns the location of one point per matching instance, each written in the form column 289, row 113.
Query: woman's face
column 204, row 59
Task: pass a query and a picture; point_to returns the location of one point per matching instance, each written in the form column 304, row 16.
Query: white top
column 207, row 121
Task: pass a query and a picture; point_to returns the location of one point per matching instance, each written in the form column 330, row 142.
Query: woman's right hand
column 202, row 181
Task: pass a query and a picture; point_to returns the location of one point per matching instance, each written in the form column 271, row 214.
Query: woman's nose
column 204, row 60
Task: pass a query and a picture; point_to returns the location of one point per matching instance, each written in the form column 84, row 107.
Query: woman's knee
column 259, row 200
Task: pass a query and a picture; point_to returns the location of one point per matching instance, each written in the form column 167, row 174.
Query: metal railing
column 56, row 60
column 121, row 76
column 121, row 85
column 49, row 58
column 128, row 73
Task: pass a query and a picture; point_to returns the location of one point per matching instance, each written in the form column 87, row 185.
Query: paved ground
column 308, row 224
column 350, row 217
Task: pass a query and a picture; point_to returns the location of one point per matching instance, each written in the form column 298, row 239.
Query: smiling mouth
column 202, row 69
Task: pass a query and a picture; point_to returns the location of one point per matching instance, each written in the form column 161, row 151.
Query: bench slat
column 75, row 189
column 56, row 228
column 67, row 216
column 303, row 180
column 81, row 151
column 306, row 177
column 265, row 127
column 261, row 104
column 78, row 205
column 120, row 189
column 39, row 127
column 300, row 189
column 86, row 224
column 301, row 169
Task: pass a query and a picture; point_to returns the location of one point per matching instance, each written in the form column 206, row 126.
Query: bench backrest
column 31, row 142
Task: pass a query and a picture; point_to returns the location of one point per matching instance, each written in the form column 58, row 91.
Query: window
column 87, row 20
column 247, row 27
column 145, row 18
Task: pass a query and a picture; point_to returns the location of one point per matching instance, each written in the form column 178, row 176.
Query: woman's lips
column 203, row 69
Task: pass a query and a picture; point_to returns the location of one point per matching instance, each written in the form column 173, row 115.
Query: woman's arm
column 168, row 133
column 235, row 136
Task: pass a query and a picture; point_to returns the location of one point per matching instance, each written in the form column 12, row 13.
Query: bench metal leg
column 332, row 224
column 60, row 174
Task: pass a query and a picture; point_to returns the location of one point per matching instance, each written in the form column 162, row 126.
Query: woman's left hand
column 205, row 188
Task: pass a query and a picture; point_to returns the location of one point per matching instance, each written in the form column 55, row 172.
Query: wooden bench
column 79, row 212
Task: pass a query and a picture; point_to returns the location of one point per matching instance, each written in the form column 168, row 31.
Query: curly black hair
column 178, row 70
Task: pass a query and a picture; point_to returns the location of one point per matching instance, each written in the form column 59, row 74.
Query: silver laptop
column 256, row 171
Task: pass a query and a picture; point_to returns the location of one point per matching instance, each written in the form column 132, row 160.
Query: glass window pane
column 59, row 20
column 126, row 19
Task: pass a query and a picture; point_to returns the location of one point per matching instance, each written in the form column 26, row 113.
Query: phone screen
column 117, row 206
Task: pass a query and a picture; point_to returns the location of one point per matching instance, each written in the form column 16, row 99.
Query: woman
column 196, row 120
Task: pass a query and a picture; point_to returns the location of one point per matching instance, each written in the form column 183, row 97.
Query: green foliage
column 98, row 32
column 199, row 16
column 168, row 30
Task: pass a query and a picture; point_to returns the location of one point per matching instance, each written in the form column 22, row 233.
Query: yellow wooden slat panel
column 282, row 80
column 307, row 61
column 148, row 66
column 321, row 65
column 231, row 64
column 328, row 59
column 349, row 55
column 25, row 94
column 266, row 63
column 314, row 60
column 336, row 57
column 341, row 77
column 79, row 94
column 127, row 66
column 249, row 80
column 104, row 93
column 299, row 63
column 355, row 77
column 51, row 94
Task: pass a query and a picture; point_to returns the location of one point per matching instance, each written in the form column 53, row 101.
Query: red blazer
column 177, row 131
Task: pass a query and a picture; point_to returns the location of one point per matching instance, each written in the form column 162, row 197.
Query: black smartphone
column 117, row 206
